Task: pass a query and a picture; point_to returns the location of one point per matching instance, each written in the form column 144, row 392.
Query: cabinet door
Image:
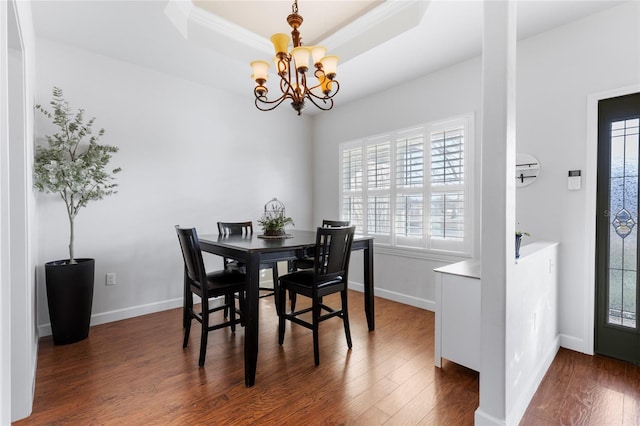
column 460, row 310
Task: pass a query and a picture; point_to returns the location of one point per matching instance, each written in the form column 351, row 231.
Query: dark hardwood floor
column 136, row 372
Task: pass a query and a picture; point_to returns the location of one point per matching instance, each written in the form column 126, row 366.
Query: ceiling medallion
column 292, row 68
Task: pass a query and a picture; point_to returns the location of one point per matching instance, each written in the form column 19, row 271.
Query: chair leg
column 187, row 329
column 187, row 308
column 241, row 307
column 292, row 299
column 345, row 317
column 280, row 295
column 315, row 321
column 203, row 336
column 276, row 280
column 274, row 274
column 232, row 311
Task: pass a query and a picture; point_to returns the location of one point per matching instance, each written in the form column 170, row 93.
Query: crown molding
column 386, row 21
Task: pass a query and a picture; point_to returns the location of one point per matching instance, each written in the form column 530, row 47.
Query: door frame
column 591, row 175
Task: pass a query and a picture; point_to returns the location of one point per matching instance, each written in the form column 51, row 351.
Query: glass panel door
column 617, row 228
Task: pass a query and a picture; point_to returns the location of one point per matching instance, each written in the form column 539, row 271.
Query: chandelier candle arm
column 292, row 67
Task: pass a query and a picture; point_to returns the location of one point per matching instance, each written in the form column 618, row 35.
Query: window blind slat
column 410, row 162
column 379, row 166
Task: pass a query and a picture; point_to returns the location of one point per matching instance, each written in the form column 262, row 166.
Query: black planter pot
column 70, row 297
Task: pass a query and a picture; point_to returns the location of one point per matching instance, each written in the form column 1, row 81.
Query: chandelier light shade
column 293, row 68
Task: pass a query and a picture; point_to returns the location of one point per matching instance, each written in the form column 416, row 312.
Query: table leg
column 368, row 286
column 251, row 320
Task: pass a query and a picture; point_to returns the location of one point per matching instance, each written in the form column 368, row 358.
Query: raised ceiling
column 267, row 17
column 441, row 32
column 241, row 29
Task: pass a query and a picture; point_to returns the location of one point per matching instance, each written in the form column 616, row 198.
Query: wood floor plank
column 546, row 403
column 136, row 372
column 397, row 399
column 372, row 417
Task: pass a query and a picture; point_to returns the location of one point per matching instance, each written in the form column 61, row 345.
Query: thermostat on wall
column 574, row 180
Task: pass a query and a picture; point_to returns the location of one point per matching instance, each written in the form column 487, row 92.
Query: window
column 411, row 187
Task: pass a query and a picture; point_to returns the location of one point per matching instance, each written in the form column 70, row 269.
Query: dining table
column 256, row 249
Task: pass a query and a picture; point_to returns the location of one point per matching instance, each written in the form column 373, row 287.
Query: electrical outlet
column 111, row 278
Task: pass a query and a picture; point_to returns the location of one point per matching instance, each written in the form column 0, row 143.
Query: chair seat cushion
column 241, row 266
column 303, row 263
column 235, row 266
column 305, row 279
column 224, row 279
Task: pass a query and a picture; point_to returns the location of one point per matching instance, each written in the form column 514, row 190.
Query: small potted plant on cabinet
column 519, row 235
column 75, row 169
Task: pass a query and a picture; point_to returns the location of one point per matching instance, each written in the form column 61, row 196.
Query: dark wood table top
column 251, row 243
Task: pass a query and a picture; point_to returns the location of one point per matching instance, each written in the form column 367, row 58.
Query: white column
column 498, row 203
column 5, row 293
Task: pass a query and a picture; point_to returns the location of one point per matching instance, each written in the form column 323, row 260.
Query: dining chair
column 226, row 283
column 246, row 229
column 329, row 275
column 305, row 261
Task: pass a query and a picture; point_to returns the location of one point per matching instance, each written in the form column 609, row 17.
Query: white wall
column 556, row 72
column 191, row 155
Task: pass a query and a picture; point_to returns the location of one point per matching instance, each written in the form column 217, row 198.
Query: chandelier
column 293, row 69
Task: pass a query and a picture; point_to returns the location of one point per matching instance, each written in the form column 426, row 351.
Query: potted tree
column 72, row 165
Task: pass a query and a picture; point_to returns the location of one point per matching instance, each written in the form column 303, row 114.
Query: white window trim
column 426, row 247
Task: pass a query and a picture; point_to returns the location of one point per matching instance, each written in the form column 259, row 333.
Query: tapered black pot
column 518, row 241
column 70, row 297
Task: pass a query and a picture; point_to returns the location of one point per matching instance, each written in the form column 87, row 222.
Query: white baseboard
column 575, row 344
column 120, row 314
column 483, row 419
column 429, row 305
column 134, row 311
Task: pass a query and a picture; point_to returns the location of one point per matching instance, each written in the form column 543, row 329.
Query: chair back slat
column 235, row 228
column 333, row 250
column 326, row 223
column 192, row 256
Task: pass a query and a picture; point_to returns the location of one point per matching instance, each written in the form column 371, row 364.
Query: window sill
column 416, row 253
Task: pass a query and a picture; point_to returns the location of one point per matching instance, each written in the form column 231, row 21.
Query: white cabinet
column 457, row 333
column 532, row 336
